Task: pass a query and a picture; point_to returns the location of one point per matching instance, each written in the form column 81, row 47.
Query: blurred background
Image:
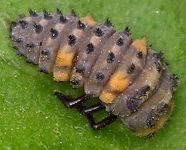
column 31, row 117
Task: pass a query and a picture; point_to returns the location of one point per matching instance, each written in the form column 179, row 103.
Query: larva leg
column 69, row 102
column 101, row 124
column 92, row 109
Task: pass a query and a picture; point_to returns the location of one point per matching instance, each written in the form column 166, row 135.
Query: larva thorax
column 129, row 78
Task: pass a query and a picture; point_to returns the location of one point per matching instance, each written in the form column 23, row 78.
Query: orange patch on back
column 89, row 20
column 118, row 82
column 107, row 97
column 64, row 58
column 141, row 45
column 61, row 76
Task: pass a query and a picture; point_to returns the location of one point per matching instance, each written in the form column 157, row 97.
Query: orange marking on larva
column 141, row 45
column 89, row 20
column 61, row 76
column 118, row 82
column 64, row 57
column 107, row 97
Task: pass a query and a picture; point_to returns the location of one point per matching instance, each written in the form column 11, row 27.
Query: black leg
column 92, row 109
column 69, row 102
column 89, row 111
column 101, row 124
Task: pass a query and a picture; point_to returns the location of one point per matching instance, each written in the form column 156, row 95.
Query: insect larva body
column 130, row 79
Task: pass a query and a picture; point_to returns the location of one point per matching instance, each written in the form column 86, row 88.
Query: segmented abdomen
column 130, row 79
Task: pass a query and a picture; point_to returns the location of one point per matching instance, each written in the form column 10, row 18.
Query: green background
column 31, row 117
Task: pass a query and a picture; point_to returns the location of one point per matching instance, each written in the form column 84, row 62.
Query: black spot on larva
column 80, row 25
column 72, row 40
column 132, row 104
column 151, row 120
column 54, row 33
column 108, row 23
column 18, row 40
column 23, row 24
column 80, row 69
column 174, row 80
column 139, row 54
column 38, row 28
column 98, row 32
column 143, row 91
column 30, row 45
column 100, row 76
column 43, row 70
column 63, row 19
column 110, row 57
column 47, row 15
column 32, row 13
column 45, row 52
column 131, row 68
column 158, row 66
column 74, row 81
column 119, row 42
column 162, row 108
column 158, row 56
column 90, row 48
column 127, row 31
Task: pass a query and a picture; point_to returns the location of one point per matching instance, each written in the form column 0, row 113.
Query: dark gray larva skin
column 98, row 55
column 45, row 24
column 106, row 63
column 22, row 31
column 145, row 85
column 155, row 107
column 89, row 52
column 52, row 40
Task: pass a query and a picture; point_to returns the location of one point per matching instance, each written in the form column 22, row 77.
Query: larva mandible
column 130, row 79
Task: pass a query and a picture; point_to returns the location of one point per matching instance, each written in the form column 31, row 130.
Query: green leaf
column 31, row 117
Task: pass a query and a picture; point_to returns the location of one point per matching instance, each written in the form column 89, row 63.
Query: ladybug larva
column 131, row 80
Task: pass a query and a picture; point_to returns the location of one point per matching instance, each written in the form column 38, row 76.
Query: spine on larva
column 129, row 78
